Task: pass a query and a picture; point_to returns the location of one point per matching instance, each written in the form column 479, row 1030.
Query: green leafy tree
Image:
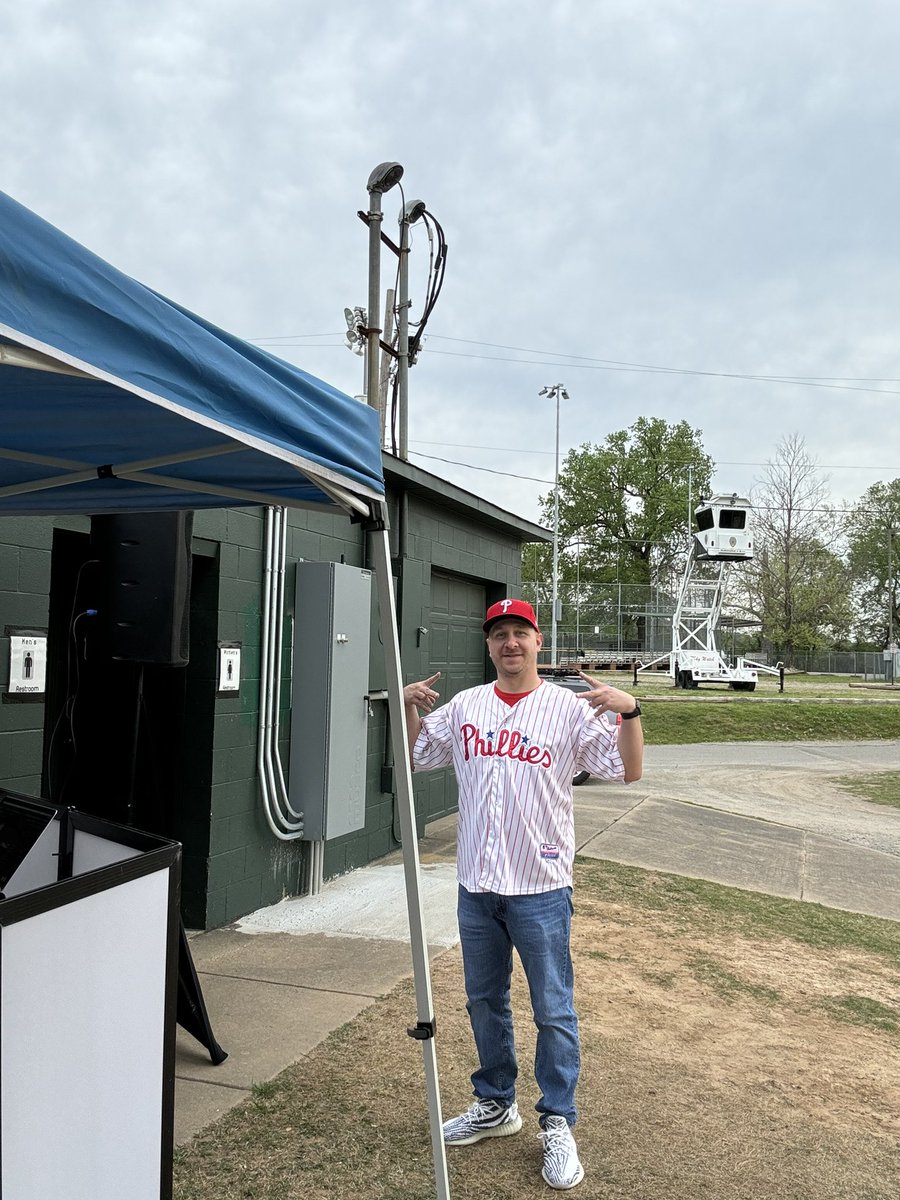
column 872, row 529
column 537, row 572
column 625, row 502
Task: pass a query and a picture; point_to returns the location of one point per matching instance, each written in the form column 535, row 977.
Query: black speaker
column 144, row 569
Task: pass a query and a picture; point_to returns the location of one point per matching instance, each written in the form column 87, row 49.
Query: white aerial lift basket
column 724, row 536
column 724, row 529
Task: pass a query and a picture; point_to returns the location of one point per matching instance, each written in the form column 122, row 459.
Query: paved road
column 764, row 816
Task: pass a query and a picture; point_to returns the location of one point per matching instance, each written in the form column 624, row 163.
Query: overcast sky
column 710, row 188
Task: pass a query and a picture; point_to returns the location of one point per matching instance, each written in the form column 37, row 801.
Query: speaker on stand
column 144, row 605
column 143, row 602
column 143, row 618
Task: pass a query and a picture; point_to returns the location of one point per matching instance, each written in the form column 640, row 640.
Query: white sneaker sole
column 564, row 1187
column 504, row 1130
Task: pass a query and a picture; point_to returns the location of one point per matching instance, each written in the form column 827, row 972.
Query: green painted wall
column 25, row 547
column 233, row 864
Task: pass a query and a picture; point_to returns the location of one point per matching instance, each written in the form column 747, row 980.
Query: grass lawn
column 883, row 787
column 682, row 722
column 811, row 708
column 735, row 1046
column 702, row 907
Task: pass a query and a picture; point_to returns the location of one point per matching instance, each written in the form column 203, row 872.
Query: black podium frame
column 132, row 856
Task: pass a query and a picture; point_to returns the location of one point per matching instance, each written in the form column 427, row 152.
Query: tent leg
column 403, row 778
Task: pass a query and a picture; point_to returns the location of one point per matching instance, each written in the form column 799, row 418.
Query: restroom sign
column 27, row 664
column 229, row 668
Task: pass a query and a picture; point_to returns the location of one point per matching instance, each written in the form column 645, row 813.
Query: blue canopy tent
column 113, row 399
column 123, row 400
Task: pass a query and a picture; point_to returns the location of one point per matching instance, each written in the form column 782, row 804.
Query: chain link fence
column 870, row 664
column 616, row 624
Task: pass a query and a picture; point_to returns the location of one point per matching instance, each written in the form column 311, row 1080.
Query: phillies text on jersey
column 514, row 765
column 508, row 741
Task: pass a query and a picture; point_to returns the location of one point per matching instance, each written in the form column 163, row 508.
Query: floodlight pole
column 382, row 179
column 555, row 391
column 890, row 548
column 373, row 311
column 410, row 214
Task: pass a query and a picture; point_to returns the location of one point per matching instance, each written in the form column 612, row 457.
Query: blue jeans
column 538, row 927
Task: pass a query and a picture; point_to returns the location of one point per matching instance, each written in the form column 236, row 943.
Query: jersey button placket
column 492, row 823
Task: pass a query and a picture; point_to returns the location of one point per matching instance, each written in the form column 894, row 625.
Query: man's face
column 513, row 645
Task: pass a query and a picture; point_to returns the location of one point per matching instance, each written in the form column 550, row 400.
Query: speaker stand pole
column 135, row 740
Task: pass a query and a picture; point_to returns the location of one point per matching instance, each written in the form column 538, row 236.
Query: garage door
column 456, row 649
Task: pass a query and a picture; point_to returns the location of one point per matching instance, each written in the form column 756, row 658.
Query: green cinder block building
column 173, row 751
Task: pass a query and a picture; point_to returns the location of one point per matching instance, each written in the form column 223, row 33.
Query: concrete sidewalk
column 759, row 816
column 279, row 981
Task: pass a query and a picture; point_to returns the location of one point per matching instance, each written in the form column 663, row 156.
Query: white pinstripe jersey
column 514, row 765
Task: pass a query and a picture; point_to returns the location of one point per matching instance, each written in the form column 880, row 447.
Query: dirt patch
column 716, row 1066
column 760, row 1019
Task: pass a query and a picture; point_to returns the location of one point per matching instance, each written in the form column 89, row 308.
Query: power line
column 597, row 366
column 292, row 338
column 781, row 378
column 549, row 483
column 675, row 462
column 586, row 362
column 490, row 470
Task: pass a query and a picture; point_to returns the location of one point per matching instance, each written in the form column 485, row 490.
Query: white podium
column 89, row 924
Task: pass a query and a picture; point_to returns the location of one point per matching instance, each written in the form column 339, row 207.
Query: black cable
column 67, row 708
column 394, row 344
column 434, row 283
column 437, row 268
column 135, row 741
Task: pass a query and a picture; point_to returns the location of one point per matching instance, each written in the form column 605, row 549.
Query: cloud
column 709, row 187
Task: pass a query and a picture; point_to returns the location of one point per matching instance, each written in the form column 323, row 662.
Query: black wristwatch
column 635, row 712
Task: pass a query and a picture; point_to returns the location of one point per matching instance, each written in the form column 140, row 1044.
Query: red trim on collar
column 513, row 697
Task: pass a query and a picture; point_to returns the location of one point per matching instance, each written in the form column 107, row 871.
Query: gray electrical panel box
column 329, row 713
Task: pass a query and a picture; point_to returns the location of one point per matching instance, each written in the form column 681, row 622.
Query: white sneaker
column 486, row 1118
column 562, row 1169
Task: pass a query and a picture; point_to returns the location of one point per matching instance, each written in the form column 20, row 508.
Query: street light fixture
column 401, row 348
column 555, row 391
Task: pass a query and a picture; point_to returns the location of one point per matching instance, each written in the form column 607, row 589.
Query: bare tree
column 797, row 585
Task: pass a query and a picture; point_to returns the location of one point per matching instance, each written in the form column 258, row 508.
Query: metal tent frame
column 114, row 398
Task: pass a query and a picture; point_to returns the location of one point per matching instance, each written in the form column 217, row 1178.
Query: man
column 515, row 745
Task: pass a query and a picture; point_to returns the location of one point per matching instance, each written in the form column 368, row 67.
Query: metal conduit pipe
column 268, row 617
column 282, row 826
column 317, row 867
column 274, row 817
column 261, row 717
column 276, row 641
column 278, row 627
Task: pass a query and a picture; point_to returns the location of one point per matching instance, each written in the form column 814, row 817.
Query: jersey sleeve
column 434, row 745
column 598, row 748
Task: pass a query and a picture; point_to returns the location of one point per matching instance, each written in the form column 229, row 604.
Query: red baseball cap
column 510, row 609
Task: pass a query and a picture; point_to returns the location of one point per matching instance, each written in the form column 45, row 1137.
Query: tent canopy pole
column 425, row 1027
